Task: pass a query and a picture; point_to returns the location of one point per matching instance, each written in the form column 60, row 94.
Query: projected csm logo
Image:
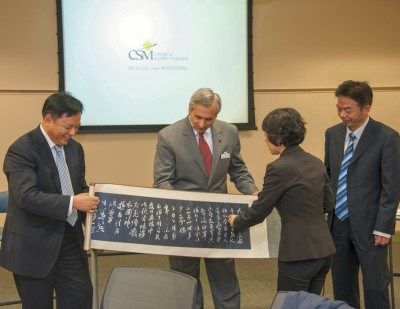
column 144, row 53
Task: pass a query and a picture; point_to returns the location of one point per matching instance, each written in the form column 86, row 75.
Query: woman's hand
column 231, row 219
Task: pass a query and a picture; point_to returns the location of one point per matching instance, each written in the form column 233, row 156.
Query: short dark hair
column 284, row 126
column 360, row 92
column 60, row 104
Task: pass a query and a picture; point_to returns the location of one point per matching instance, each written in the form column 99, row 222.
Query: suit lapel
column 340, row 137
column 217, row 139
column 70, row 157
column 191, row 143
column 45, row 152
column 366, row 139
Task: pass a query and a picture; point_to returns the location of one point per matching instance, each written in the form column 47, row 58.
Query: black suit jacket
column 373, row 178
column 298, row 186
column 37, row 211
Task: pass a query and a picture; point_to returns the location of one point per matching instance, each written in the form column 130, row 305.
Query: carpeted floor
column 257, row 278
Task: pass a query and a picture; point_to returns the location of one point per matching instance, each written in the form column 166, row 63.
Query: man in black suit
column 362, row 228
column 43, row 236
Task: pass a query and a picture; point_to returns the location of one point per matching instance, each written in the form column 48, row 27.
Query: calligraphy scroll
column 171, row 222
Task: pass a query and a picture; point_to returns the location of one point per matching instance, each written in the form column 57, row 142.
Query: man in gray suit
column 179, row 165
column 370, row 196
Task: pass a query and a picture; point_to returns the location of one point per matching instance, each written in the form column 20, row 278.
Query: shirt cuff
column 70, row 206
column 382, row 234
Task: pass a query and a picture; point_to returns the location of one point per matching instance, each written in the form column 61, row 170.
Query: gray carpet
column 257, row 278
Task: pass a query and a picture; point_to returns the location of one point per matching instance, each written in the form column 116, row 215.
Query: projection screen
column 135, row 64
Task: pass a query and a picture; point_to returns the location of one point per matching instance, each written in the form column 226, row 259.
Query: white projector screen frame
column 135, row 64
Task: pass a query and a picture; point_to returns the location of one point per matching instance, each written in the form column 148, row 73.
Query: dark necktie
column 65, row 179
column 206, row 153
column 341, row 209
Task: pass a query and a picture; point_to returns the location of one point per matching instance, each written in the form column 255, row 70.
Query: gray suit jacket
column 373, row 178
column 179, row 165
column 37, row 211
column 298, row 186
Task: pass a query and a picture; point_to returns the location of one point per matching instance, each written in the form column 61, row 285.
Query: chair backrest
column 150, row 288
column 3, row 201
column 3, row 207
column 279, row 298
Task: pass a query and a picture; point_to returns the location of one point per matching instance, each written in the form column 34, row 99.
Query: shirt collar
column 206, row 133
column 48, row 139
column 358, row 132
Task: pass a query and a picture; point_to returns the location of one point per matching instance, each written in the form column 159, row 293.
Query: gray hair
column 205, row 97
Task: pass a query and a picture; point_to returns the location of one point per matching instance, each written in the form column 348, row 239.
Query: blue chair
column 3, row 201
column 3, row 206
column 301, row 299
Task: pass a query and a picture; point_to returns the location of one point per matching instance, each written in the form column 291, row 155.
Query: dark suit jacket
column 298, row 186
column 179, row 165
column 37, row 211
column 373, row 178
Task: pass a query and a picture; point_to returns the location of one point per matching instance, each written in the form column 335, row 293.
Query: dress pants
column 69, row 278
column 221, row 275
column 307, row 275
column 345, row 269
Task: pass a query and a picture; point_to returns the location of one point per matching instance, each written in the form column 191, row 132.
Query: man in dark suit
column 43, row 236
column 179, row 165
column 367, row 201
